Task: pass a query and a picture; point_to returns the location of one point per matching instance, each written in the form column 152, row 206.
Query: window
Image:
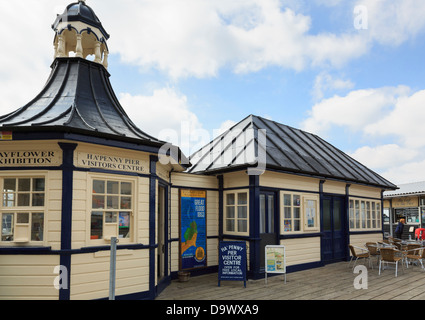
column 311, row 214
column 236, row 220
column 22, row 209
column 365, row 214
column 291, row 212
column 112, row 209
column 300, row 213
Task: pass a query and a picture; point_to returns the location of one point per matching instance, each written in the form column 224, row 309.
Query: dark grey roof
column 77, row 98
column 288, row 150
column 80, row 11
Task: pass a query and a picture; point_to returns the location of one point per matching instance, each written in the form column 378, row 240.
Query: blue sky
column 350, row 71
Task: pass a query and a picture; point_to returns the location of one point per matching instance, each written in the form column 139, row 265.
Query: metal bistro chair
column 372, row 247
column 390, row 255
column 416, row 254
column 364, row 254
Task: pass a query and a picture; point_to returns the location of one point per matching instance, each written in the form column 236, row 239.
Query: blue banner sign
column 193, row 229
column 232, row 261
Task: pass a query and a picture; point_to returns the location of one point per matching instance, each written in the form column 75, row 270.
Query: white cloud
column 384, row 156
column 166, row 115
column 392, row 22
column 406, row 121
column 325, row 82
column 394, row 113
column 198, row 38
column 355, row 111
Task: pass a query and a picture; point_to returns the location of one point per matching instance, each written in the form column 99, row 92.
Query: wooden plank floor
column 332, row 282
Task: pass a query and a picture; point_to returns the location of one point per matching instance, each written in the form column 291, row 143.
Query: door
column 334, row 240
column 268, row 234
column 161, row 233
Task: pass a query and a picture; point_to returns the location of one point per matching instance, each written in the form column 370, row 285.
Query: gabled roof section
column 287, row 149
column 77, row 98
column 407, row 189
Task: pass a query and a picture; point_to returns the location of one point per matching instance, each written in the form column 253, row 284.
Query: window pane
column 24, row 184
column 297, row 200
column 37, row 227
column 287, row 225
column 297, row 225
column 230, row 225
column 287, row 200
column 113, row 187
column 242, row 212
column 110, row 217
column 242, row 198
column 327, row 215
column 311, row 213
column 124, row 225
column 287, row 213
column 230, row 211
column 9, row 200
column 38, row 185
column 242, row 225
column 38, row 200
column 9, row 185
column 296, row 213
column 23, row 199
column 126, row 188
column 98, row 202
column 98, row 186
column 96, row 226
column 7, row 227
column 262, row 213
column 230, row 199
column 125, row 202
column 112, row 202
column 23, row 218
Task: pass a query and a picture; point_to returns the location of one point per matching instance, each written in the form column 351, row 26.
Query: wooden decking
column 332, row 282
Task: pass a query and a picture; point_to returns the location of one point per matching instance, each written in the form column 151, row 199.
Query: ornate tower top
column 80, row 31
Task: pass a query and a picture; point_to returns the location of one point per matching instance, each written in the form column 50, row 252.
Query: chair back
column 372, row 247
column 353, row 252
column 411, row 247
column 387, row 254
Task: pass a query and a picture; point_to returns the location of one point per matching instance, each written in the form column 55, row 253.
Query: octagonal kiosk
column 76, row 171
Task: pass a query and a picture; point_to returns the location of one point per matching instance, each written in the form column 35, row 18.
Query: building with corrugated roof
column 76, row 172
column 408, row 202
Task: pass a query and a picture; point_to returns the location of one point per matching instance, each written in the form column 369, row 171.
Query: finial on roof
column 79, row 30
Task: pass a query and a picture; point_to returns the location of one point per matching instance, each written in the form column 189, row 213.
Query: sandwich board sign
column 232, row 261
column 275, row 260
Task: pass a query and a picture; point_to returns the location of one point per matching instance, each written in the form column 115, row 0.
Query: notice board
column 232, row 261
column 275, row 260
column 193, row 229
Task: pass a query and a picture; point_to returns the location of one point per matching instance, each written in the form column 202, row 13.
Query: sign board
column 193, row 229
column 32, row 158
column 232, row 261
column 275, row 260
column 108, row 162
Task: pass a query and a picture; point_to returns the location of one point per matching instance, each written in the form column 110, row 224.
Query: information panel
column 193, row 229
column 232, row 261
column 275, row 260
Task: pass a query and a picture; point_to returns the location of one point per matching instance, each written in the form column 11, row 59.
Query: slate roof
column 287, row 150
column 415, row 188
column 77, row 98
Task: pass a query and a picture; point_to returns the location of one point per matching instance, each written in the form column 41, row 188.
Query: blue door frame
column 334, row 228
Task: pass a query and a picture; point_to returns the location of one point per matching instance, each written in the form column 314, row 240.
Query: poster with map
column 193, row 229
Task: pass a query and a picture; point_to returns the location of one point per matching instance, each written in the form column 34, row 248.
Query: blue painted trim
column 254, row 225
column 66, row 218
column 220, row 207
column 152, row 224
